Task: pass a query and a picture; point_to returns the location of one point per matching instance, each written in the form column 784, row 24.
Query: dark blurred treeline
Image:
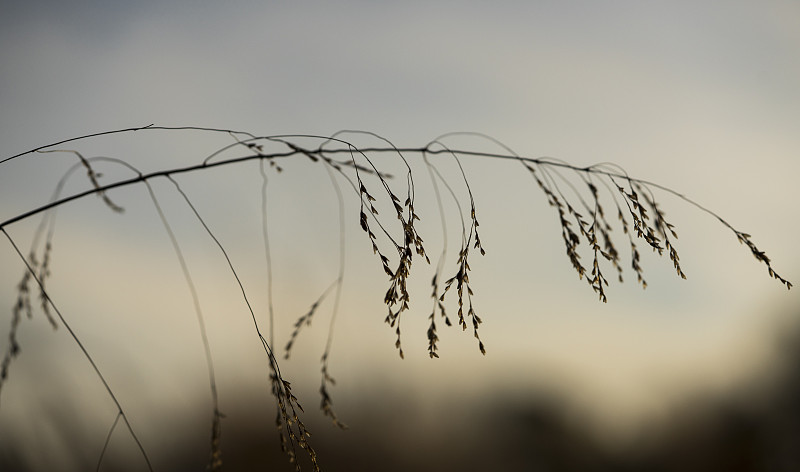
column 737, row 434
column 737, row 431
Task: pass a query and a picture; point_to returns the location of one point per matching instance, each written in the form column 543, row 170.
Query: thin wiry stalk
column 215, row 460
column 107, row 441
column 436, row 294
column 93, row 176
column 398, row 291
column 83, row 350
column 305, row 320
column 433, row 337
column 48, row 221
column 610, row 247
column 281, row 388
column 23, row 303
column 461, row 278
column 326, row 403
column 542, row 162
column 398, row 152
column 280, row 411
column 267, row 252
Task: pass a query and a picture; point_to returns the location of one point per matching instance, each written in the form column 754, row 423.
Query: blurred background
column 698, row 96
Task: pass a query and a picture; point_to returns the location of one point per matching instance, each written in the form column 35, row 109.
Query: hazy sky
column 700, row 96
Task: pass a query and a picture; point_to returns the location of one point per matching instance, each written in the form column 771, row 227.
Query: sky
column 698, row 96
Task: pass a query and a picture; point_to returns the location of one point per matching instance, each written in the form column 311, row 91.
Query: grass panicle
column 579, row 196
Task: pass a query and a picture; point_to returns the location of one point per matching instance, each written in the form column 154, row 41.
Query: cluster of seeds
column 397, row 296
column 438, row 304
column 461, row 280
column 291, row 429
column 760, row 256
column 23, row 305
column 326, row 403
column 598, row 230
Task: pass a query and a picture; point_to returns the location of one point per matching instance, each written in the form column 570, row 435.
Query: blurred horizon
column 394, row 425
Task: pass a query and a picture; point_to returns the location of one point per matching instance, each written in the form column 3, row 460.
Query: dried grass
column 575, row 193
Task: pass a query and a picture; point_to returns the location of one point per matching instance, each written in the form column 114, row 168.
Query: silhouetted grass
column 579, row 196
